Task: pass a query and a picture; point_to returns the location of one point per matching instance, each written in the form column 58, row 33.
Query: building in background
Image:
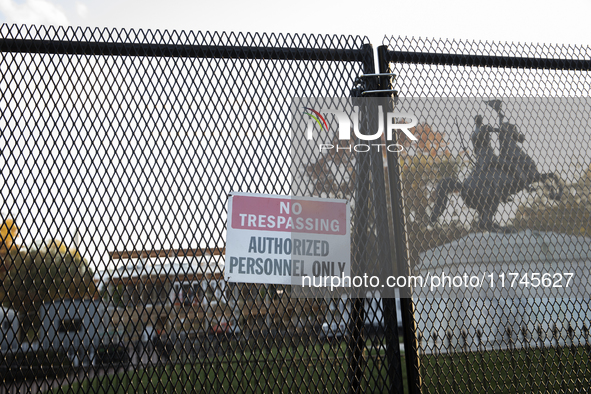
column 162, row 292
column 165, row 291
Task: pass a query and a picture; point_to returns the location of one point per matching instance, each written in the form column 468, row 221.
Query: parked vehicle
column 8, row 330
column 374, row 318
column 111, row 354
column 334, row 331
column 78, row 328
column 225, row 327
column 337, row 318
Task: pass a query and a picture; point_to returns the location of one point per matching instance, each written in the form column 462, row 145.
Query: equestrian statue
column 494, row 178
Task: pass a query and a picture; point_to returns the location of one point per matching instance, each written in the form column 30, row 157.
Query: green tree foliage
column 47, row 272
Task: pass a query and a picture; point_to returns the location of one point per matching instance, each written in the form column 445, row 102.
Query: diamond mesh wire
column 508, row 340
column 119, row 149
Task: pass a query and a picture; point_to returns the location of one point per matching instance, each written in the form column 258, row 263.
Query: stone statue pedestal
column 489, row 299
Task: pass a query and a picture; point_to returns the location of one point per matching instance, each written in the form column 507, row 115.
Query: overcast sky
column 564, row 22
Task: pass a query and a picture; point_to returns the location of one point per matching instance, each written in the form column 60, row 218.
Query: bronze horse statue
column 494, row 178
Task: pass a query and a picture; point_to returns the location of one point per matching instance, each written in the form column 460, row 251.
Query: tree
column 570, row 215
column 422, row 164
column 8, row 250
column 47, row 271
column 8, row 247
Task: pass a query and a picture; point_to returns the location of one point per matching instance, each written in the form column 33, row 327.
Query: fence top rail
column 181, row 50
column 187, row 44
column 455, row 59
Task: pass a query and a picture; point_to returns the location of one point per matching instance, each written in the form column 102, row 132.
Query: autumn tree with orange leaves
column 8, row 245
column 424, row 163
column 8, row 250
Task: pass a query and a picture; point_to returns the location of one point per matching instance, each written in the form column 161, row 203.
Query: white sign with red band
column 282, row 240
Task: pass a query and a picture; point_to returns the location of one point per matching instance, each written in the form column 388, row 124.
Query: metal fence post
column 401, row 251
column 371, row 195
column 395, row 381
column 357, row 343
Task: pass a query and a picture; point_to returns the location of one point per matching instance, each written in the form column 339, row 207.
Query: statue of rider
column 486, row 157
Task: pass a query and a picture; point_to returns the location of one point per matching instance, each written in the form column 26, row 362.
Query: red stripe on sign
column 289, row 215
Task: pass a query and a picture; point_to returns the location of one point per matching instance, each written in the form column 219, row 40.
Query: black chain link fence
column 496, row 196
column 119, row 150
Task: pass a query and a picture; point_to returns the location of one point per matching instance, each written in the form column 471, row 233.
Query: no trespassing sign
column 282, row 240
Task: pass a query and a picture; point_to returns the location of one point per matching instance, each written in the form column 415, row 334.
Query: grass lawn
column 521, row 371
column 319, row 368
column 324, row 368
